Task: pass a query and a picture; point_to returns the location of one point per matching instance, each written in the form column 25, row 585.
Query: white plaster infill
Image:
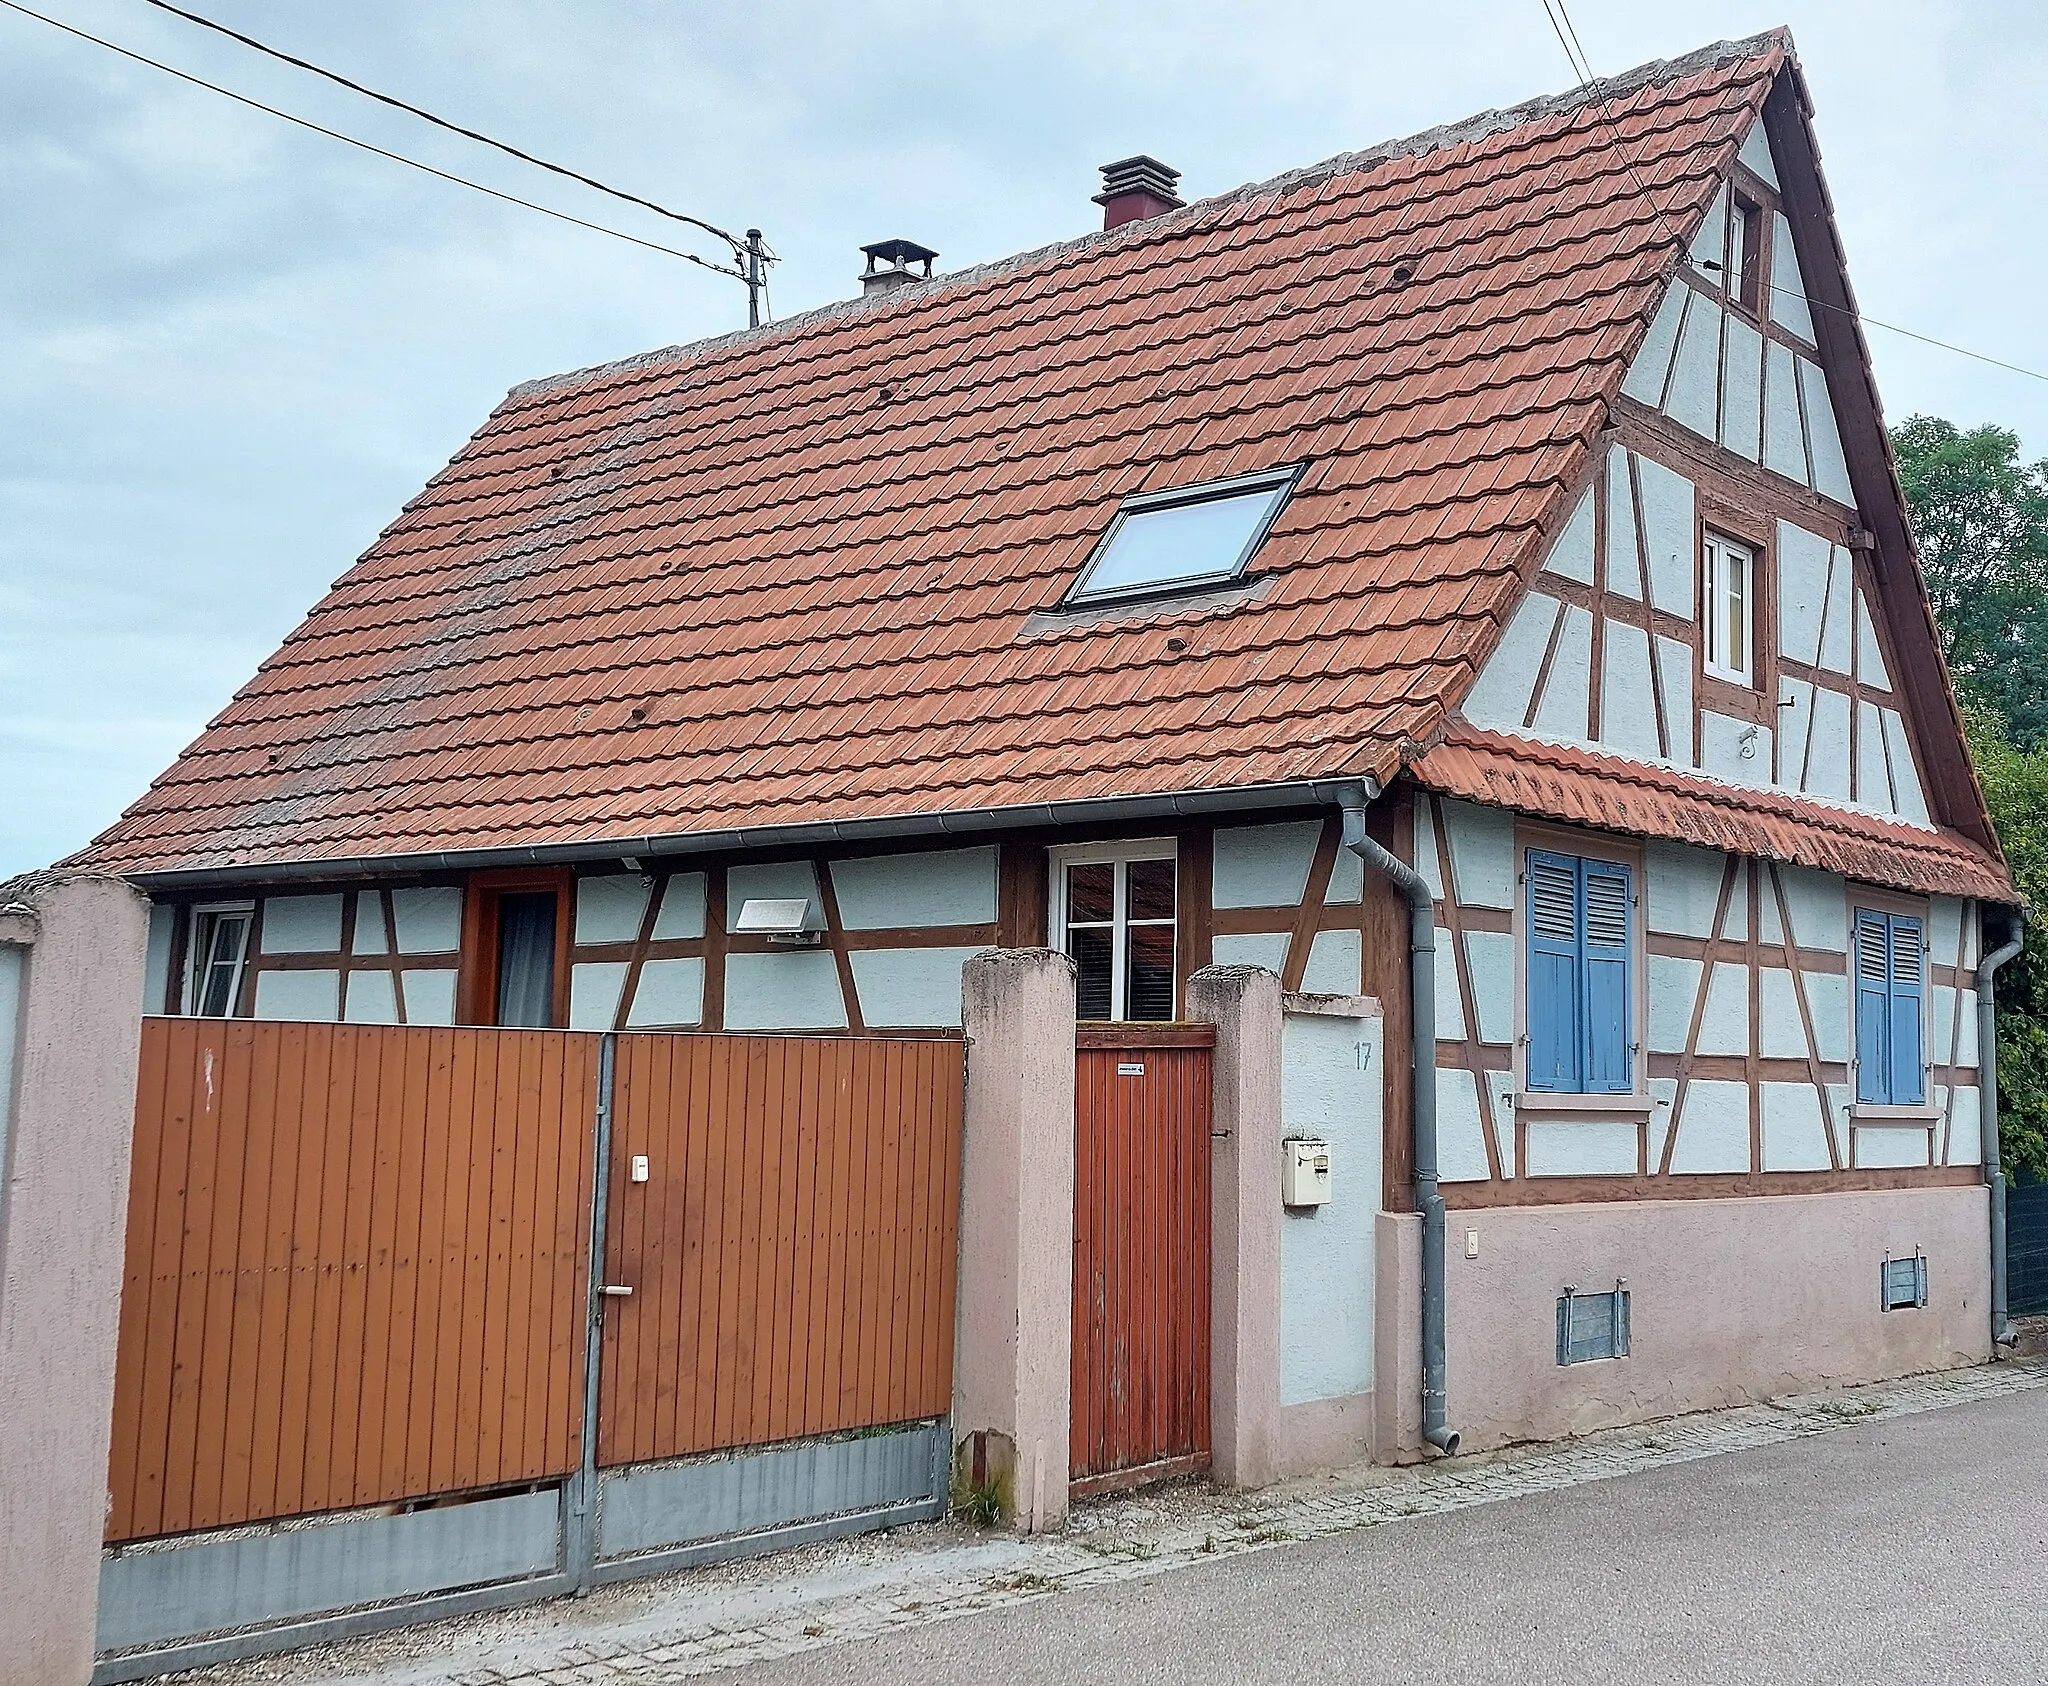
column 820, row 1598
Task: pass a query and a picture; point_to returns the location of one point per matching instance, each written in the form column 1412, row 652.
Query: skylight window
column 1181, row 540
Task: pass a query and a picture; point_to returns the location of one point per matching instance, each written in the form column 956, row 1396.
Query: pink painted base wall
column 1731, row 1302
column 1325, row 1434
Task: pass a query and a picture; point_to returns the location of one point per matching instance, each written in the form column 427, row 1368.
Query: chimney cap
column 899, row 253
column 1139, row 174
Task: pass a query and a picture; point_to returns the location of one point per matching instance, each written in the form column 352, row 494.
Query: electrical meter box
column 1304, row 1171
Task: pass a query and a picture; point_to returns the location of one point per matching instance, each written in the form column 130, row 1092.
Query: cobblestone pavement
column 705, row 1620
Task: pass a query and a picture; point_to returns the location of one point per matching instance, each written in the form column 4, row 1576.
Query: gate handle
column 616, row 1291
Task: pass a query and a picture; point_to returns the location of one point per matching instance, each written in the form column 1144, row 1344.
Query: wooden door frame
column 476, row 992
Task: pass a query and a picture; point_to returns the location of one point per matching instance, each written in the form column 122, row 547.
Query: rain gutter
column 771, row 839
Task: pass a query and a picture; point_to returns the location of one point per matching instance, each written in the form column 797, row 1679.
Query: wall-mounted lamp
column 787, row 920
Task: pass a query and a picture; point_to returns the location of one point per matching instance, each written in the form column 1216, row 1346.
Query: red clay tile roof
column 1584, row 787
column 790, row 576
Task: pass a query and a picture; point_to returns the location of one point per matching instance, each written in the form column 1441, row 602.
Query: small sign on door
column 1131, row 1068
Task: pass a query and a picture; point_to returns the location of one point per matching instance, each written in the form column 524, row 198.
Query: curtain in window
column 1091, row 937
column 526, row 960
column 1149, row 914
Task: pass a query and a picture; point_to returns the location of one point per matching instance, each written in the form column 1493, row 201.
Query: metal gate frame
column 2026, row 1256
column 268, row 1588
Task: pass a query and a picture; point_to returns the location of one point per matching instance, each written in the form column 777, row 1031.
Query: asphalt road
column 1912, row 1550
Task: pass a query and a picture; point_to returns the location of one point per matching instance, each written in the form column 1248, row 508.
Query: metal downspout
column 1414, row 888
column 1994, row 1169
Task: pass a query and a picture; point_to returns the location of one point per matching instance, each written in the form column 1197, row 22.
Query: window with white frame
column 1114, row 916
column 218, row 951
column 1727, row 592
column 1184, row 539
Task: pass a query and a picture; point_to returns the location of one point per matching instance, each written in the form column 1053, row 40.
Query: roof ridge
column 1476, row 127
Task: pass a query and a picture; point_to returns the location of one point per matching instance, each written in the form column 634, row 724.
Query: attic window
column 1181, row 540
column 1746, row 272
column 1726, row 591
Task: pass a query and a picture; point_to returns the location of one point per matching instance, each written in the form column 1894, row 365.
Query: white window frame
column 195, row 961
column 1716, row 551
column 1119, row 855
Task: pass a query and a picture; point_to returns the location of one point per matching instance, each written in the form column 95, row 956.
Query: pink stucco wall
column 1014, row 1322
column 1732, row 1301
column 63, row 1218
column 1243, row 1003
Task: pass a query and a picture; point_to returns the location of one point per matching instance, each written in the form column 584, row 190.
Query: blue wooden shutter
column 1553, row 974
column 1908, row 981
column 1873, row 962
column 1609, row 1065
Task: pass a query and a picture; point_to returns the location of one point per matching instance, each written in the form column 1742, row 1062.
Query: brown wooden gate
column 357, row 1259
column 1140, row 1384
column 791, row 1252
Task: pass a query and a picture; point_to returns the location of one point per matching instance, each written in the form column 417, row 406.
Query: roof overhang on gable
column 1954, row 794
column 1581, row 787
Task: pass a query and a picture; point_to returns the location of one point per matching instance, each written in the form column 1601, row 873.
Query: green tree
column 1980, row 516
column 2015, row 784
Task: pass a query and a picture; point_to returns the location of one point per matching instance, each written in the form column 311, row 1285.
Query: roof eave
column 787, row 839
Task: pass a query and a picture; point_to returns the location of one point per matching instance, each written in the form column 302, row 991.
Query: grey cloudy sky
column 229, row 349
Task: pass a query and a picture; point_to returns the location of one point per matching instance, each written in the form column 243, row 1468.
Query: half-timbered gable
column 1717, row 609
column 1713, row 601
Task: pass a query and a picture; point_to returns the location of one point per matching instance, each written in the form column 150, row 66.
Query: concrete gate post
column 71, row 958
column 1243, row 1003
column 1015, row 1307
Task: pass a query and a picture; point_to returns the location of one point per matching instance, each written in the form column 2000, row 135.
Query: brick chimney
column 889, row 264
column 1136, row 188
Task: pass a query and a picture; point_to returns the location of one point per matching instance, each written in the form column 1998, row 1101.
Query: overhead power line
column 1568, row 38
column 1894, row 328
column 381, row 152
column 739, row 247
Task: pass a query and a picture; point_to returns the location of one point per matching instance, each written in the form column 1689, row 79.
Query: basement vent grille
column 1591, row 1326
column 1904, row 1283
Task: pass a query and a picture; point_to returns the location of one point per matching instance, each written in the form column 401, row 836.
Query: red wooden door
column 1140, row 1384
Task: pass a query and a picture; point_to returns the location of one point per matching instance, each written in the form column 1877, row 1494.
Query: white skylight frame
column 1273, row 485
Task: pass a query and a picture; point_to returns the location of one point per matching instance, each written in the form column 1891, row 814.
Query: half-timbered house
column 1517, row 492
